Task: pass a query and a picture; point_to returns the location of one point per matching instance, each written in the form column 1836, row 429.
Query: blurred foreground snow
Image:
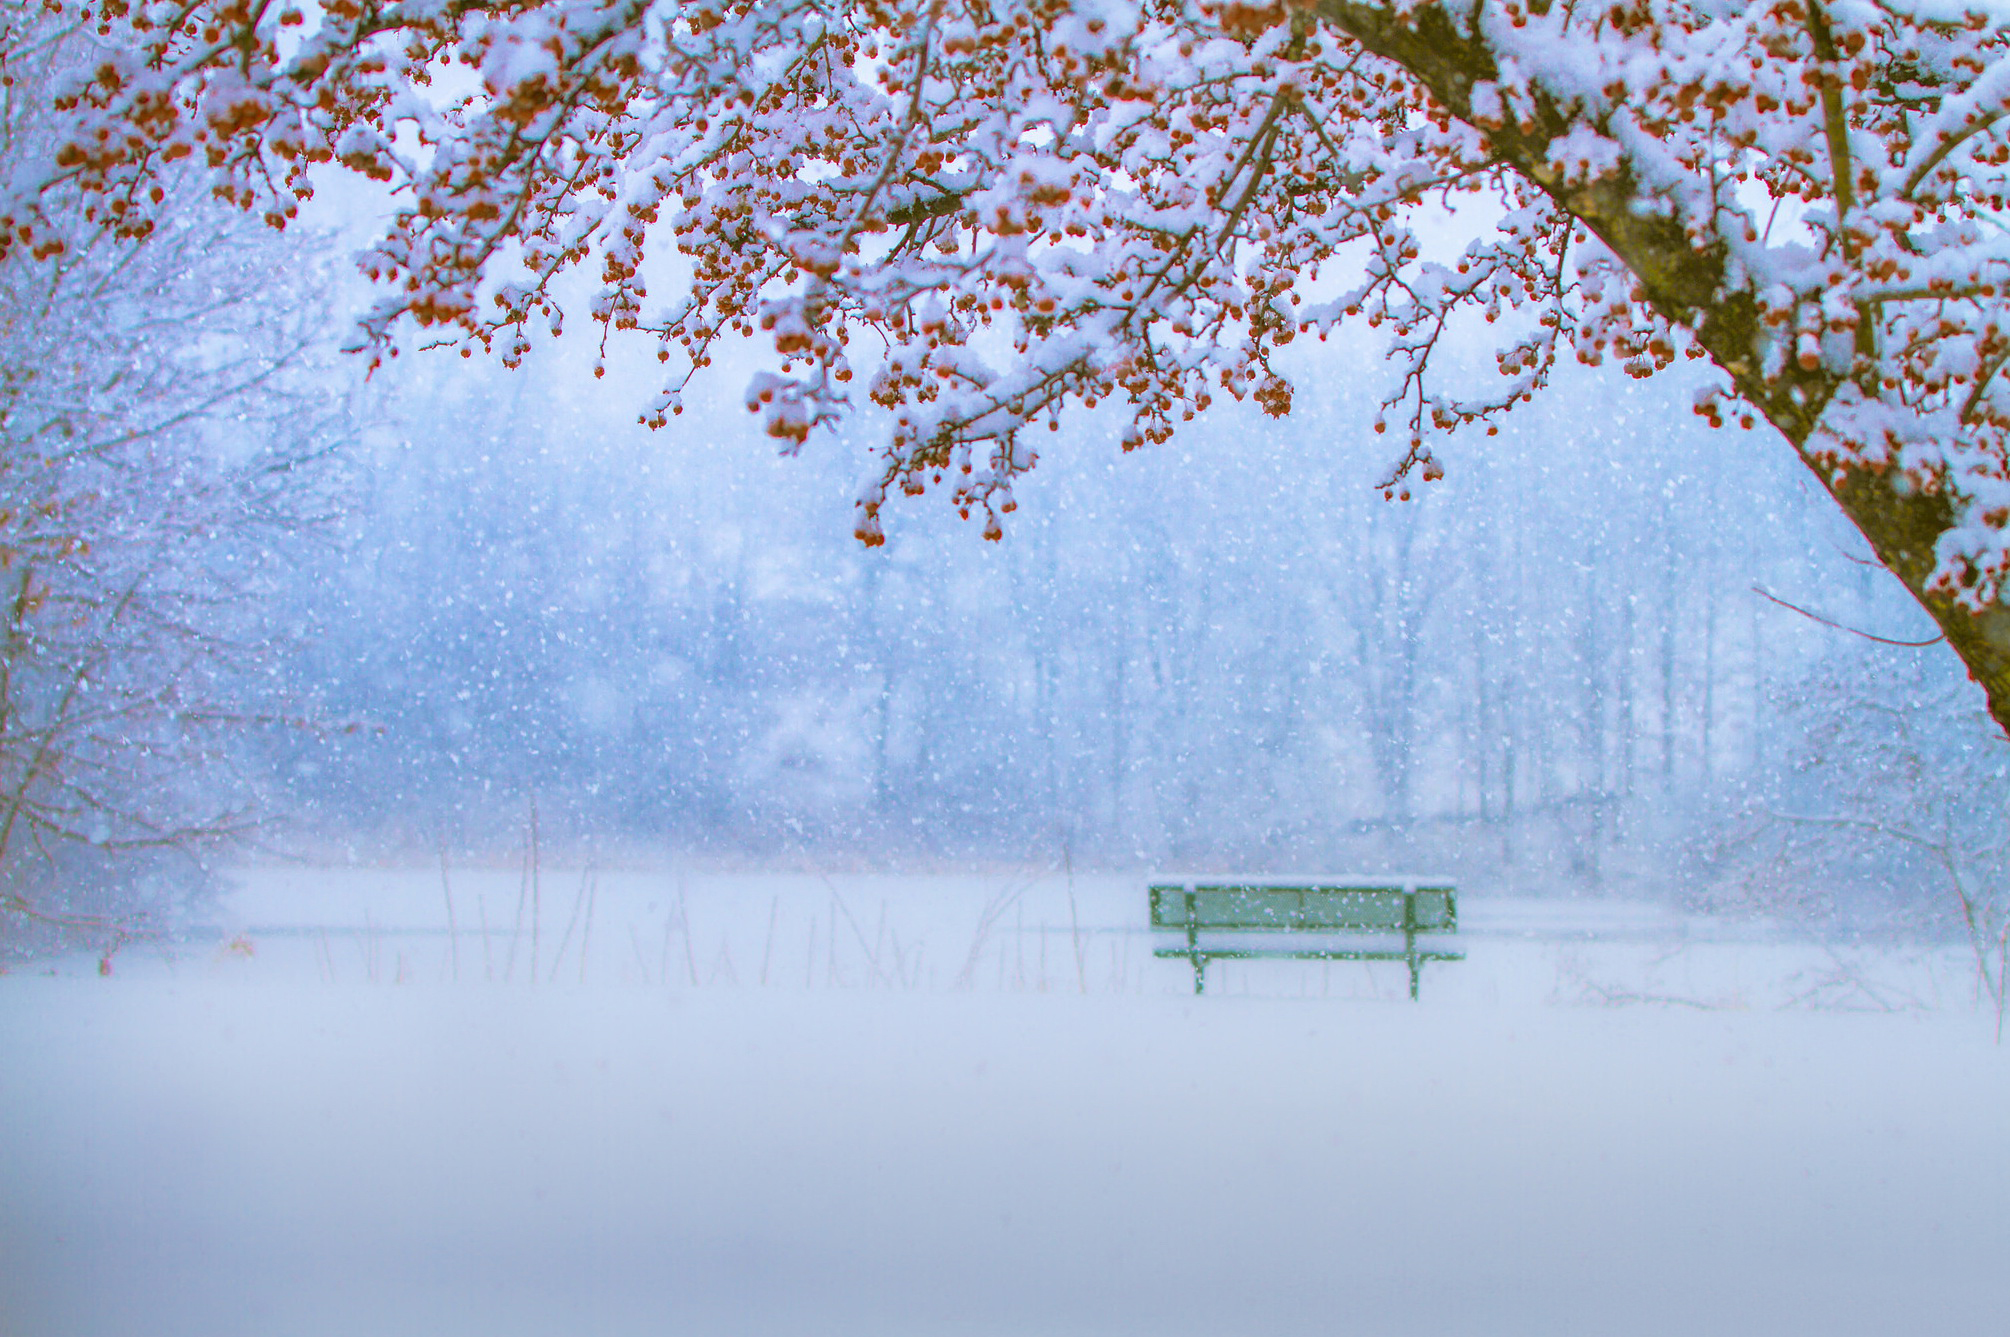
column 1604, row 1122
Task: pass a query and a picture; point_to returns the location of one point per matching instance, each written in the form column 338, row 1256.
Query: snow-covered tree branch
column 985, row 213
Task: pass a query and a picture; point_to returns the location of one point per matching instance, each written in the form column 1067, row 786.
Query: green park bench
column 1305, row 919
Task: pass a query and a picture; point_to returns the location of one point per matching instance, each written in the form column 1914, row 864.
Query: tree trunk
column 1690, row 285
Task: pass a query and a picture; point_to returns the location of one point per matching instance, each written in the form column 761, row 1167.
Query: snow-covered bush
column 1890, row 811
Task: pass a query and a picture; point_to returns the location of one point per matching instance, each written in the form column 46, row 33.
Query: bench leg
column 1193, row 942
column 1410, row 940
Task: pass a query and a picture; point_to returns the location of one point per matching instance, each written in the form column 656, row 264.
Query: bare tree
column 1894, row 810
column 158, row 437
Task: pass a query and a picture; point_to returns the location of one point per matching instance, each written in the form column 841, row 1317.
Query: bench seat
column 1315, row 919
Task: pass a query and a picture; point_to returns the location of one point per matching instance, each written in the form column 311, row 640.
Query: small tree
column 1895, row 796
column 153, row 447
column 994, row 209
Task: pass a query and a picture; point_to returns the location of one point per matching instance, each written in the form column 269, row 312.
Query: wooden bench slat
column 1341, row 907
column 1311, row 954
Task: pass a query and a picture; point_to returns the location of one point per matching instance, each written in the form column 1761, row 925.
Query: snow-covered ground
column 979, row 1106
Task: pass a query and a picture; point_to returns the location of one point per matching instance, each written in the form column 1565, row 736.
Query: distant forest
column 1554, row 671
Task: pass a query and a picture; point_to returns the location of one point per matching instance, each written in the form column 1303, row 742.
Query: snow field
column 224, row 1145
column 1013, row 931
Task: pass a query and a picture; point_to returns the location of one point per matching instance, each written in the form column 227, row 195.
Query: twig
column 871, row 953
column 488, row 957
column 586, row 933
column 640, row 963
column 768, row 949
column 534, row 872
column 684, row 918
column 2002, row 975
column 453, row 929
column 578, row 903
column 879, row 943
column 1616, row 997
column 987, row 918
column 516, row 929
column 1074, row 919
column 724, row 961
column 1829, row 622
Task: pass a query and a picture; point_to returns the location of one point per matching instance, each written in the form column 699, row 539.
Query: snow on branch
column 987, row 214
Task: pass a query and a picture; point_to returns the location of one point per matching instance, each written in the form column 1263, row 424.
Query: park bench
column 1355, row 919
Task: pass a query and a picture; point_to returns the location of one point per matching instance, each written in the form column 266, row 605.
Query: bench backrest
column 1355, row 906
